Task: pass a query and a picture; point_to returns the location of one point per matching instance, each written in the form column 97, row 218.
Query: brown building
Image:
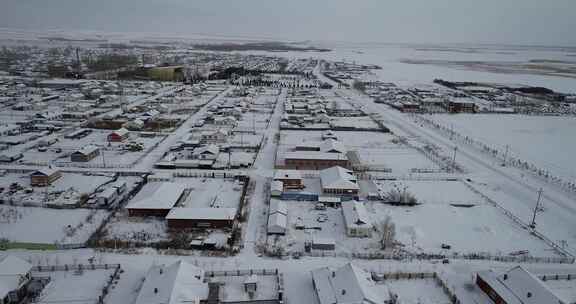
column 86, row 154
column 44, row 177
column 315, row 160
column 206, row 218
column 461, row 107
column 515, row 286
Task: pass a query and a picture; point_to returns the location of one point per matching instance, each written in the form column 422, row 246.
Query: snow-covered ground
column 48, row 226
column 74, row 287
column 542, row 140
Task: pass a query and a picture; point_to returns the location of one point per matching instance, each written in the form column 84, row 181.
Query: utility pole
column 505, row 155
column 536, row 208
column 454, row 159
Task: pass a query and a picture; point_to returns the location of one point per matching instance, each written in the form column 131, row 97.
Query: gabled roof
column 121, row 132
column 338, row 178
column 177, row 283
column 355, row 214
column 12, row 265
column 277, row 206
column 347, row 285
column 515, row 284
column 332, row 146
column 11, row 270
column 86, row 150
column 45, row 171
column 212, row 149
column 161, row 195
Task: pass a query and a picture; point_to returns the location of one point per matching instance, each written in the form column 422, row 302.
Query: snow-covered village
column 147, row 168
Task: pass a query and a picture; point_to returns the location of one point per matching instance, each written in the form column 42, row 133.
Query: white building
column 277, row 217
column 338, row 180
column 356, row 219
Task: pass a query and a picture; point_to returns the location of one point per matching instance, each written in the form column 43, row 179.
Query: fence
column 561, row 250
column 407, row 257
column 71, row 267
column 505, row 158
column 245, row 272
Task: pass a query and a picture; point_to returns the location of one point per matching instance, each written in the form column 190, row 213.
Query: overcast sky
column 550, row 22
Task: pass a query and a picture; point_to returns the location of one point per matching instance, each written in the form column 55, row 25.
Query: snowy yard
column 45, row 225
column 141, row 229
column 74, row 287
column 429, row 292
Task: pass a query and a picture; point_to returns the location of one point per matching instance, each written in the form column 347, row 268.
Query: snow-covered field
column 542, row 140
column 47, row 226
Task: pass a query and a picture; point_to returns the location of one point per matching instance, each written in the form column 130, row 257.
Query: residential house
column 44, row 177
column 356, row 219
column 516, row 286
column 86, row 154
column 177, row 283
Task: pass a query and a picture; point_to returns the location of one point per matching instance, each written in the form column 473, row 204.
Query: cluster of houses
column 422, row 99
column 181, row 281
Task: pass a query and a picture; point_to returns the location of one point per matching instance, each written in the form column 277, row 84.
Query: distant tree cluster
column 111, row 61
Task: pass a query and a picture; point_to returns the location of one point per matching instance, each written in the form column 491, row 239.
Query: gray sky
column 468, row 21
